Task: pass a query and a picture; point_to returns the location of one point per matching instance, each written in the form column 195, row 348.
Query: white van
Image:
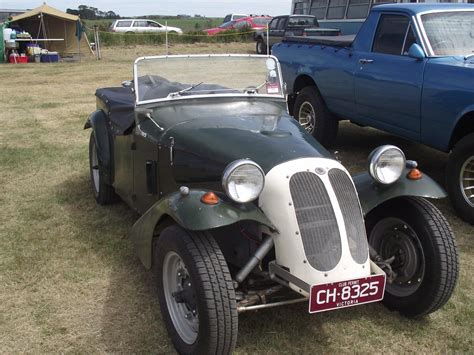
column 141, row 26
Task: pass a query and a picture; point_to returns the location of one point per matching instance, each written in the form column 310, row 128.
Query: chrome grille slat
column 316, row 221
column 353, row 219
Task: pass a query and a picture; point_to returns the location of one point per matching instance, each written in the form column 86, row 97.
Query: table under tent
column 44, row 34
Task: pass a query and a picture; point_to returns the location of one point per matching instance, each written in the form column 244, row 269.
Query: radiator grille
column 353, row 219
column 316, row 221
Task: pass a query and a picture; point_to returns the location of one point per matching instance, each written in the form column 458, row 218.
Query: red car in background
column 250, row 22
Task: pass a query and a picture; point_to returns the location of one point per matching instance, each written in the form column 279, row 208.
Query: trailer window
column 301, row 8
column 318, row 8
column 357, row 9
column 391, row 33
column 337, row 9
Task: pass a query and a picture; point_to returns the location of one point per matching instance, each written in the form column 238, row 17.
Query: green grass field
column 70, row 281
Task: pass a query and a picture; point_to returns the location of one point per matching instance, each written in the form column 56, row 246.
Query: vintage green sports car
column 241, row 209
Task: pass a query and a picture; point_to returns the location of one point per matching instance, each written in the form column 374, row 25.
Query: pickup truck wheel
column 312, row 113
column 415, row 239
column 104, row 194
column 460, row 178
column 261, row 48
column 195, row 291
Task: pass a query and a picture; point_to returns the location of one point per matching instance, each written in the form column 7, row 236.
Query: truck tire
column 311, row 112
column 260, row 47
column 416, row 235
column 195, row 292
column 460, row 178
column 103, row 193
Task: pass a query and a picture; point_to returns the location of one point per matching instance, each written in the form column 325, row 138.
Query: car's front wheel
column 103, row 192
column 313, row 115
column 195, row 290
column 460, row 178
column 415, row 239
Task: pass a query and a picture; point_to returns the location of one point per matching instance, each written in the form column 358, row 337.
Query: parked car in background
column 409, row 71
column 233, row 17
column 251, row 22
column 242, row 209
column 141, row 26
column 290, row 25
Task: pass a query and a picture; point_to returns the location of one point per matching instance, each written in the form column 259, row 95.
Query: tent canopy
column 56, row 25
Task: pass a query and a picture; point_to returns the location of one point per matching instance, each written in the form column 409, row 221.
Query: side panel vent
column 316, row 221
column 353, row 219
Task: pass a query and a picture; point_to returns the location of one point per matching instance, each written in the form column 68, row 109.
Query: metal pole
column 166, row 36
column 99, row 55
column 268, row 41
column 260, row 253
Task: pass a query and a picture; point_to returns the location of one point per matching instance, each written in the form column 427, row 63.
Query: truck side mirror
column 416, row 52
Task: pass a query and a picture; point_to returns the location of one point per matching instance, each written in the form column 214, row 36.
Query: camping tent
column 47, row 23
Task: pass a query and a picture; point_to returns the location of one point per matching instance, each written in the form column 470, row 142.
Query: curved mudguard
column 98, row 122
column 372, row 194
column 190, row 213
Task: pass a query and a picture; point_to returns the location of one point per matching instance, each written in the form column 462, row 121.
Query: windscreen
column 172, row 77
column 450, row 33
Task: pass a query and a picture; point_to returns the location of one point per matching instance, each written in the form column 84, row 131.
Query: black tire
column 212, row 298
column 260, row 46
column 103, row 193
column 415, row 231
column 311, row 112
column 461, row 165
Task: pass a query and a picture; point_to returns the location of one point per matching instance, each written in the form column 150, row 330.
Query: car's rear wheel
column 313, row 115
column 195, row 290
column 260, row 46
column 415, row 239
column 103, row 193
column 460, row 178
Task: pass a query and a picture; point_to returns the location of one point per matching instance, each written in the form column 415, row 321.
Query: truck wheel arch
column 464, row 126
column 300, row 83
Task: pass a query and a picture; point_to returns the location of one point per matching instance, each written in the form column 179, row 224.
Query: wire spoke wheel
column 466, row 181
column 307, row 117
column 180, row 297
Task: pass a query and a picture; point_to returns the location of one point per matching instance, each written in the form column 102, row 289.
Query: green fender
column 372, row 194
column 190, row 213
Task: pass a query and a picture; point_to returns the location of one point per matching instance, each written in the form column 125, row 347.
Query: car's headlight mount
column 243, row 180
column 386, row 164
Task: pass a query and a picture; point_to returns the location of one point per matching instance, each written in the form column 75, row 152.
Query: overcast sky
column 214, row 8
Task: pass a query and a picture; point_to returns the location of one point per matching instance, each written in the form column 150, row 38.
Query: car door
column 155, row 27
column 388, row 83
column 145, row 163
column 140, row 26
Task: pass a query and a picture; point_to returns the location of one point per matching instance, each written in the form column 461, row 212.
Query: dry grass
column 70, row 281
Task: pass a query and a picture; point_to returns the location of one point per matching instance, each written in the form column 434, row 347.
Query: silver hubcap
column 95, row 168
column 180, row 297
column 466, row 181
column 307, row 117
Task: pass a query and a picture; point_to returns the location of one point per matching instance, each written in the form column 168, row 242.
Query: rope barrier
column 176, row 34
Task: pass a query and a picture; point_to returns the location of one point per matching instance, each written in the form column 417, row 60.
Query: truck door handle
column 366, row 61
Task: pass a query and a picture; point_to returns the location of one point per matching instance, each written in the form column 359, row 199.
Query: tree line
column 92, row 13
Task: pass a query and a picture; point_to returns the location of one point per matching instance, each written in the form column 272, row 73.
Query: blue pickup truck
column 408, row 71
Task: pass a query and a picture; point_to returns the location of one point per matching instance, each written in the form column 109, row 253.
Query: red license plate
column 346, row 293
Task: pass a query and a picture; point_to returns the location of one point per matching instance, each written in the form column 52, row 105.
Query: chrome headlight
column 243, row 180
column 386, row 164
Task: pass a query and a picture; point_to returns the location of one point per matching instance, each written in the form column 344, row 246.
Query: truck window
column 391, row 33
column 274, row 23
column 281, row 23
column 318, row 8
column 337, row 9
column 410, row 39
